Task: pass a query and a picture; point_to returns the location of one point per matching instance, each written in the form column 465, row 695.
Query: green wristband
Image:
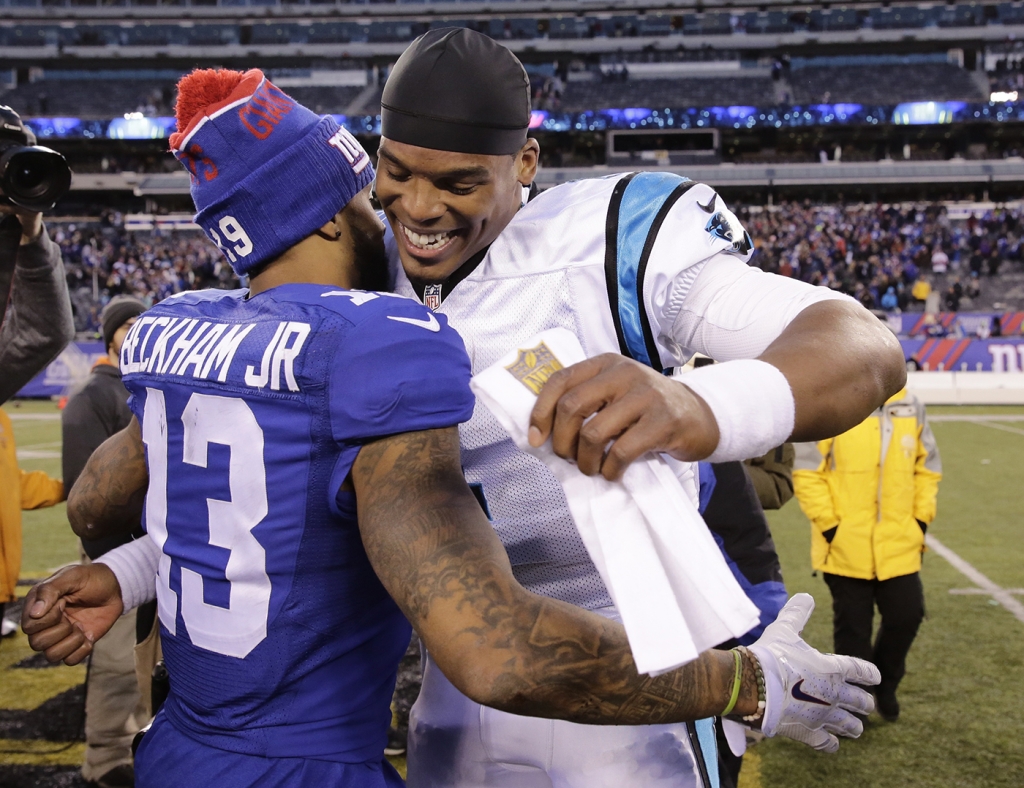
column 736, row 682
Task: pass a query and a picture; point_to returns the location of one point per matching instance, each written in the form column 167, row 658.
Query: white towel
column 662, row 568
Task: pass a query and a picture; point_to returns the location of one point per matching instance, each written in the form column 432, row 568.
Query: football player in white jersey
column 646, row 269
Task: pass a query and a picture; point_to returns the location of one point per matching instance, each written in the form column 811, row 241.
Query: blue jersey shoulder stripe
column 639, row 205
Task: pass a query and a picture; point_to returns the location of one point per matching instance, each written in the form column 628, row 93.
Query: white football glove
column 809, row 695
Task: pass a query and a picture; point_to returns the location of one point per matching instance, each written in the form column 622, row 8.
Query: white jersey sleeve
column 678, row 244
column 732, row 310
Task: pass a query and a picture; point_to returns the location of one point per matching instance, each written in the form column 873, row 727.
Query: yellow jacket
column 868, row 490
column 18, row 490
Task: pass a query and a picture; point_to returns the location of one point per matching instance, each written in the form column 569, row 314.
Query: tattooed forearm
column 503, row 646
column 107, row 497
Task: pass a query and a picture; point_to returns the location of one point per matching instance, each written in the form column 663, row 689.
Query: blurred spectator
column 112, row 702
column 953, row 295
column 921, row 290
column 932, row 326
column 772, row 476
column 18, row 490
column 973, row 288
column 889, row 301
column 939, row 260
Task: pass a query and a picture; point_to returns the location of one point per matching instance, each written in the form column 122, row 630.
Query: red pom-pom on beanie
column 200, row 89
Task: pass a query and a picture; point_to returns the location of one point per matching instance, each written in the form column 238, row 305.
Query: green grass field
column 962, row 724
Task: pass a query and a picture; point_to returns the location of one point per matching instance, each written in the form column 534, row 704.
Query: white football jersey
column 613, row 260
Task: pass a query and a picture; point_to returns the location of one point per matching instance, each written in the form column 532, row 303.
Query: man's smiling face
column 444, row 207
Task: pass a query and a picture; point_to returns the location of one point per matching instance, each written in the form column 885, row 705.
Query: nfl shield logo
column 432, row 296
column 533, row 367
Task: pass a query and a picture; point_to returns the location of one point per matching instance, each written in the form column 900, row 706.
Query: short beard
column 371, row 262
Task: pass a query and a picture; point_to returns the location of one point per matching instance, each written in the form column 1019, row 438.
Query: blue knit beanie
column 266, row 171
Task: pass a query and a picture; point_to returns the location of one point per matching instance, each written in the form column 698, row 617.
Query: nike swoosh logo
column 430, row 323
column 710, row 207
column 799, row 694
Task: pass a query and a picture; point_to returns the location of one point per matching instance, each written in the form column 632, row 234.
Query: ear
column 331, row 231
column 526, row 162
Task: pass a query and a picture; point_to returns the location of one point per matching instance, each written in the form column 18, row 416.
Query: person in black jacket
column 731, row 507
column 112, row 703
column 35, row 309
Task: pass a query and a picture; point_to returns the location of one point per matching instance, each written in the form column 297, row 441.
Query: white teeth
column 432, row 241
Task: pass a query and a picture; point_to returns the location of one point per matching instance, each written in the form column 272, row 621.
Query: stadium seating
column 654, row 23
column 883, row 84
column 277, row 33
column 834, row 19
column 890, row 245
column 212, row 35
column 100, row 99
column 669, row 93
column 153, row 35
column 323, row 99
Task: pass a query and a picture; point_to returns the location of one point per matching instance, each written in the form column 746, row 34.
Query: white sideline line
column 973, row 591
column 34, row 416
column 28, row 454
column 976, row 417
column 1001, row 595
column 1003, row 427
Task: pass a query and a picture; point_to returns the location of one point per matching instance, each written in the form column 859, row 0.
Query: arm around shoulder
column 439, row 558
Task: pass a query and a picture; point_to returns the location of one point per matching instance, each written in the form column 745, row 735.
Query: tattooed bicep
column 422, row 528
column 108, row 495
column 406, row 464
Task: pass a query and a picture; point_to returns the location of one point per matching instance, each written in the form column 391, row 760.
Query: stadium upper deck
column 88, row 28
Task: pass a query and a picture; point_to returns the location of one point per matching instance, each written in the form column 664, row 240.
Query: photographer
column 35, row 309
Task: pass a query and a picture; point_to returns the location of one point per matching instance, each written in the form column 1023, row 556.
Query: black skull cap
column 457, row 90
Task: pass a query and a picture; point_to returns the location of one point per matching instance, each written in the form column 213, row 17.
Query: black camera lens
column 28, row 173
column 33, row 177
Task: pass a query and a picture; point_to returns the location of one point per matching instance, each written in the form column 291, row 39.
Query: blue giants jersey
column 279, row 638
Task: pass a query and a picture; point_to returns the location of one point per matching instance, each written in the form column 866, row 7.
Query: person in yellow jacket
column 18, row 490
column 870, row 494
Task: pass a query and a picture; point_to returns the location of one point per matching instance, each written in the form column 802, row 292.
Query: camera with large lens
column 31, row 176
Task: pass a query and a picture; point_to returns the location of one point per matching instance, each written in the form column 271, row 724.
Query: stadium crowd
column 104, row 260
column 884, row 256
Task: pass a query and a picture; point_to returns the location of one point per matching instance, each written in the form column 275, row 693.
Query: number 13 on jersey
column 236, row 630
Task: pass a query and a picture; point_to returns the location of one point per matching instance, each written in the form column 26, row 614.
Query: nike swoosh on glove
column 810, row 696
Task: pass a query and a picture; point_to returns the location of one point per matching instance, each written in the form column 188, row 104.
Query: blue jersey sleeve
column 401, row 369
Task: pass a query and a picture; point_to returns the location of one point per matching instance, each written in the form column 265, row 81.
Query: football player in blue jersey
column 298, row 449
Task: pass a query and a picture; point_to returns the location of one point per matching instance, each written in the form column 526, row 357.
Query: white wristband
column 752, row 403
column 135, row 567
